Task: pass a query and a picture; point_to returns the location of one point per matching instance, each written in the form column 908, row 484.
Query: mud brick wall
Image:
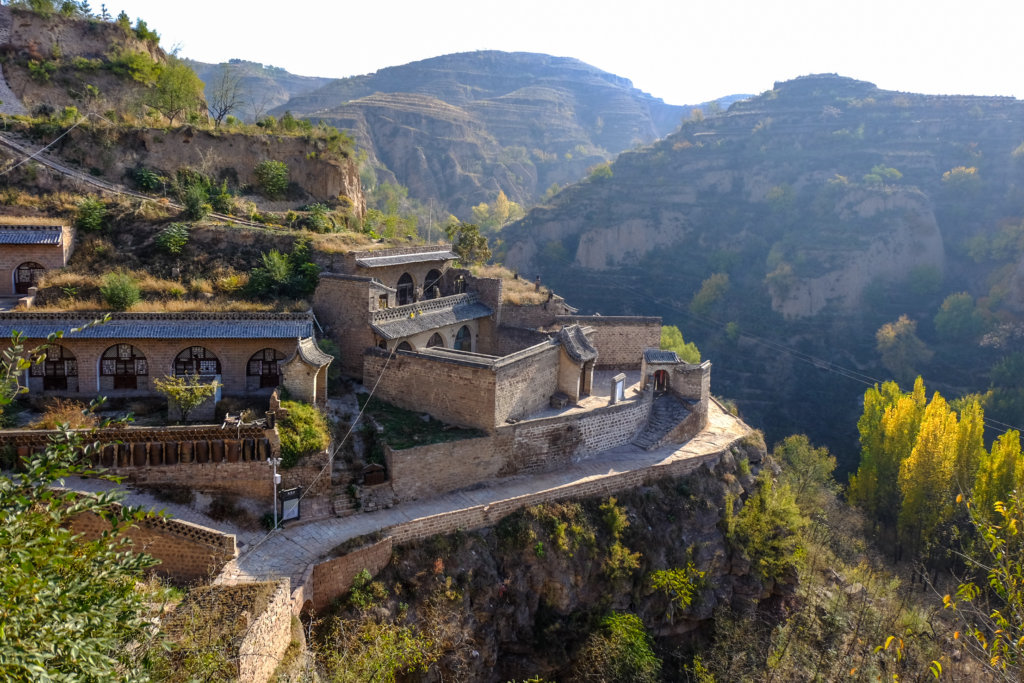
column 620, row 341
column 525, row 382
column 458, row 393
column 267, row 638
column 332, row 579
column 187, row 552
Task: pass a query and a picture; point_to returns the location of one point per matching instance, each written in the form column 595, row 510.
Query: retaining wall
column 269, row 635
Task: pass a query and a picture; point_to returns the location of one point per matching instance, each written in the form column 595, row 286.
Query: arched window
column 60, row 364
column 27, row 275
column 432, row 285
column 125, row 364
column 435, row 340
column 405, row 346
column 196, row 360
column 265, row 365
column 464, row 339
column 406, row 289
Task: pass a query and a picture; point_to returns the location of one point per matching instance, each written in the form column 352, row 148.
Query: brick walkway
column 292, row 550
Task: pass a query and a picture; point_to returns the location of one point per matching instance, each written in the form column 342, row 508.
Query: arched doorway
column 405, row 346
column 59, row 370
column 432, row 284
column 196, row 360
column 27, row 275
column 661, row 380
column 123, row 364
column 435, row 340
column 463, row 339
column 264, row 369
column 406, row 289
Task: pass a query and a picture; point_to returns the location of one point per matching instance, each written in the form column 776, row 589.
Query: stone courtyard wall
column 267, row 638
column 620, row 341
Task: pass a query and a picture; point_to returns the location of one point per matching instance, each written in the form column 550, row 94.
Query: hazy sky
column 684, row 52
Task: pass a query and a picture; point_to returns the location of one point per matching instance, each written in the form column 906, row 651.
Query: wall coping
column 443, row 303
column 609, row 319
column 470, row 360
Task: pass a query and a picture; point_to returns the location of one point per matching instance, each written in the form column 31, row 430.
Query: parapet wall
column 329, row 579
column 620, row 340
column 268, row 636
column 187, row 552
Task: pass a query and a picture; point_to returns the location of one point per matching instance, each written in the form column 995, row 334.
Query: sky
column 684, row 52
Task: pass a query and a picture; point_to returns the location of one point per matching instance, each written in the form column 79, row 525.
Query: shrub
column 62, row 411
column 303, row 431
column 92, row 215
column 619, row 651
column 271, row 178
column 187, row 393
column 120, row 291
column 173, row 238
column 196, row 202
column 148, row 180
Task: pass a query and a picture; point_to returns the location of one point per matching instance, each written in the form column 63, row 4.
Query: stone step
column 344, row 506
column 666, row 413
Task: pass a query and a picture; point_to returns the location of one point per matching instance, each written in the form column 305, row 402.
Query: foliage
column 711, row 291
column 70, row 608
column 365, row 592
column 467, row 242
column 148, row 180
column 279, row 274
column 999, row 474
column 120, row 290
column 618, row 652
column 177, row 90
column 679, row 585
column 602, row 171
column 196, row 202
column 900, row 348
column 958, row 318
column 62, row 411
column 92, row 215
column 992, row 613
column 672, row 340
column 304, row 431
column 138, row 66
column 493, row 217
column 962, row 178
column 173, row 238
column 355, row 651
column 271, row 178
column 806, row 469
column 881, row 174
column 187, row 393
column 406, row 429
column 767, row 529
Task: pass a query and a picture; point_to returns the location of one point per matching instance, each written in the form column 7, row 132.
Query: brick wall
column 434, row 469
column 512, row 339
column 332, row 579
column 620, row 341
column 457, row 393
column 49, row 256
column 342, row 305
column 187, row 552
column 267, row 638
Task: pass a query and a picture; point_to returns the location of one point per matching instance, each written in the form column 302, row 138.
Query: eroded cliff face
column 520, row 599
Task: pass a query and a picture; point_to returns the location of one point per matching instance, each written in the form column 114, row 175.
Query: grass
column 516, row 291
column 407, row 429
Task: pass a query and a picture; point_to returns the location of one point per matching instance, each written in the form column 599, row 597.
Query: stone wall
column 49, row 256
column 268, row 636
column 187, row 552
column 512, row 339
column 525, row 382
column 620, row 341
column 342, row 304
column 435, row 469
column 331, row 579
column 459, row 393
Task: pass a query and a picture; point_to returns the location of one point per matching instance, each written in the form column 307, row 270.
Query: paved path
column 290, row 551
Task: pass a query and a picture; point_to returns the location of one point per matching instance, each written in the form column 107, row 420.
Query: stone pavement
column 292, row 550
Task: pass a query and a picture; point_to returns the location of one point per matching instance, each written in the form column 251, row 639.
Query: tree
column 900, row 348
column 186, row 393
column 178, row 90
column 226, row 94
column 70, row 608
column 271, row 178
column 1000, row 472
column 672, row 340
column 958, row 318
column 711, row 290
column 467, row 242
column 807, row 469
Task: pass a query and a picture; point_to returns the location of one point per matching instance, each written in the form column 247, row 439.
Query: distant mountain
column 461, row 127
column 263, row 87
column 810, row 216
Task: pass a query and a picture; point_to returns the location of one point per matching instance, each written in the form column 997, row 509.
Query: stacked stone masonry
column 333, row 578
column 267, row 638
column 620, row 341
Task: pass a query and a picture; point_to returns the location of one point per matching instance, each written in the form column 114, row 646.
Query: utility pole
column 274, row 462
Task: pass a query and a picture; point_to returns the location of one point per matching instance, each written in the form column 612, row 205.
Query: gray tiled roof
column 30, row 234
column 660, row 356
column 576, row 344
column 402, row 259
column 162, row 325
column 311, row 353
column 406, row 327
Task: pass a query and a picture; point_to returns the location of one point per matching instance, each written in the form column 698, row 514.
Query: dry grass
column 516, row 291
column 212, row 305
column 342, row 242
column 55, row 202
column 65, row 411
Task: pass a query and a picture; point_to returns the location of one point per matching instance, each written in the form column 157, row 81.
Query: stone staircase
column 666, row 413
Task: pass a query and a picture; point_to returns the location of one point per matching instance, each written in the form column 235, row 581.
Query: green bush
column 619, row 651
column 304, row 431
column 148, row 180
column 197, row 203
column 173, row 238
column 92, row 215
column 120, row 291
column 271, row 178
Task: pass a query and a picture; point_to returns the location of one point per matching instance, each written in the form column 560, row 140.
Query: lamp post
column 274, row 462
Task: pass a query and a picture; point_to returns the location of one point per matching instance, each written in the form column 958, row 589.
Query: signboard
column 290, row 503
